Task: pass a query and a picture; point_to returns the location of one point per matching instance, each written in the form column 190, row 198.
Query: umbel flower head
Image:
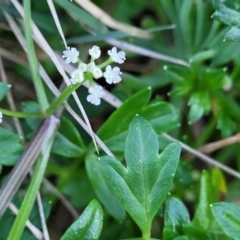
column 88, row 71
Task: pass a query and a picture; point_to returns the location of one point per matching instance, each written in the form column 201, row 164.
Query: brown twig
column 205, row 158
column 211, row 147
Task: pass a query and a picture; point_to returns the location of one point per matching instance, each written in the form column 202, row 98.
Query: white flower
column 112, row 75
column 97, row 72
column 82, row 67
column 91, row 66
column 77, row 76
column 96, row 93
column 117, row 57
column 1, row 116
column 71, row 55
column 95, row 52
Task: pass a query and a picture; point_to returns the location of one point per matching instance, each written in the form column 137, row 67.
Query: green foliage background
column 185, row 83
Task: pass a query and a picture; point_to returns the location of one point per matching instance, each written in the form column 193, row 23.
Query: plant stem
column 26, row 207
column 20, row 114
column 42, row 98
column 104, row 64
column 24, row 164
column 52, row 109
column 146, row 234
column 61, row 99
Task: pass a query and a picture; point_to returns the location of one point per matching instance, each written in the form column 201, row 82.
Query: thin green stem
column 146, row 234
column 49, row 111
column 62, row 98
column 42, row 98
column 79, row 61
column 20, row 114
column 104, row 64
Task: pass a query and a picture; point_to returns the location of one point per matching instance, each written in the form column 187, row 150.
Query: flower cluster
column 1, row 117
column 86, row 72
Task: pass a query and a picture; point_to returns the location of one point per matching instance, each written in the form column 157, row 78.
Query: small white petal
column 112, row 75
column 95, row 52
column 97, row 73
column 93, row 100
column 95, row 95
column 76, row 76
column 71, row 55
column 118, row 57
column 73, row 80
column 91, row 66
column 82, row 67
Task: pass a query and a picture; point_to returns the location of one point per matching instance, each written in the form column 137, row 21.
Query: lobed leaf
column 143, row 185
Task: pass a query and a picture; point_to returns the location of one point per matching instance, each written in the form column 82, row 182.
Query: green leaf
column 199, row 233
column 79, row 14
column 175, row 74
column 233, row 34
column 32, row 107
column 160, row 114
column 117, row 143
column 8, row 217
column 4, row 88
column 103, row 188
column 88, row 226
column 199, row 104
column 144, row 184
column 68, row 142
column 186, row 24
column 208, row 195
column 229, row 16
column 226, row 14
column 10, row 9
column 74, row 182
column 11, row 149
column 45, row 22
column 139, row 239
column 228, row 217
column 219, row 182
column 181, row 238
column 120, row 119
column 97, row 38
column 175, row 216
